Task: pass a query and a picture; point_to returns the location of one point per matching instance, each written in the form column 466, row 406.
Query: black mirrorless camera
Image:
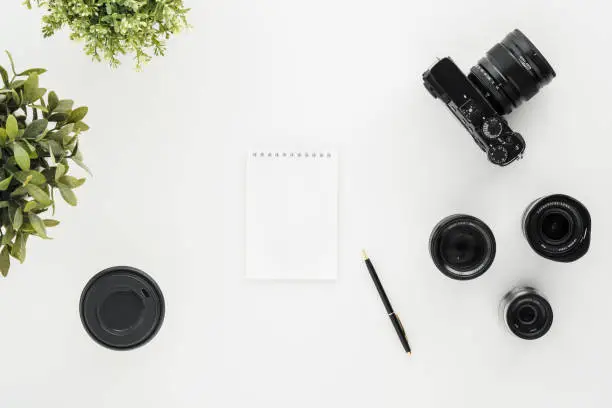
column 512, row 71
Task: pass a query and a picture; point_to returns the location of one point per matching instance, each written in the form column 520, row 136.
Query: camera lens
column 462, row 247
column 511, row 72
column 526, row 313
column 558, row 227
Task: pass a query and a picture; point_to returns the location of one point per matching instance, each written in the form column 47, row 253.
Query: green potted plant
column 111, row 28
column 39, row 140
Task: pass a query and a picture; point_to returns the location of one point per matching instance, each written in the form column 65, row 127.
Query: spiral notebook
column 292, row 215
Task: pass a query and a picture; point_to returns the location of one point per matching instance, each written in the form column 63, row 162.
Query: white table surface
column 168, row 149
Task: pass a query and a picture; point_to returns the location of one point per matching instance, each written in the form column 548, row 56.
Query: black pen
column 397, row 324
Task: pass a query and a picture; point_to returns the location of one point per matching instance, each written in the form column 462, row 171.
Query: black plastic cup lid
column 122, row 308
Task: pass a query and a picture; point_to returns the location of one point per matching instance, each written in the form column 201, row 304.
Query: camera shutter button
column 492, row 128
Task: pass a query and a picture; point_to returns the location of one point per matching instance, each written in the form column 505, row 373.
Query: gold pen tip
column 365, row 256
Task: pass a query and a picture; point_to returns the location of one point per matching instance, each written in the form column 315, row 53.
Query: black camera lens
column 511, row 72
column 526, row 313
column 462, row 247
column 558, row 227
column 122, row 308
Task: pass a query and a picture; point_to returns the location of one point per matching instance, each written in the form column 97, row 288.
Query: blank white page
column 292, row 215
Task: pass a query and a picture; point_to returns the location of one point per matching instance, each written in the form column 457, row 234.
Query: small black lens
column 462, row 247
column 526, row 313
column 511, row 72
column 558, row 227
column 122, row 308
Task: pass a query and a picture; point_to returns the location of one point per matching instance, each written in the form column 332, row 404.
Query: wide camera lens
column 526, row 313
column 558, row 227
column 511, row 72
column 462, row 247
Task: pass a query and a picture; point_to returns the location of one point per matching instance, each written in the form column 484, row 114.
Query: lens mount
column 511, row 72
column 558, row 227
column 462, row 247
column 526, row 313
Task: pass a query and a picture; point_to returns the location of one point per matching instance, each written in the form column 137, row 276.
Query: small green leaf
column 60, row 170
column 64, row 106
column 38, row 225
column 19, row 247
column 35, row 177
column 21, row 156
column 71, row 182
column 5, row 261
column 3, row 136
column 68, row 195
column 30, row 87
column 35, row 128
column 30, row 205
column 4, row 184
column 78, row 159
column 12, row 62
column 78, row 114
column 59, row 135
column 18, row 219
column 4, row 75
column 37, row 71
column 58, row 117
column 39, row 195
column 81, row 127
column 19, row 191
column 51, row 223
column 53, row 101
column 4, row 204
column 12, row 128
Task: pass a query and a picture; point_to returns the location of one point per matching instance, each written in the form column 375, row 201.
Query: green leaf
column 19, row 247
column 58, row 117
column 30, row 205
column 5, row 261
column 78, row 114
column 12, row 128
column 60, row 170
column 4, row 75
column 68, row 195
column 8, row 235
column 53, row 100
column 17, row 83
column 72, row 182
column 35, row 128
column 21, row 156
column 18, row 219
column 4, row 204
column 37, row 71
column 36, row 177
column 3, row 136
column 12, row 62
column 19, row 191
column 38, row 225
column 81, row 127
column 39, row 195
column 4, row 184
column 51, row 223
column 30, row 87
column 78, row 159
column 64, row 106
column 59, row 135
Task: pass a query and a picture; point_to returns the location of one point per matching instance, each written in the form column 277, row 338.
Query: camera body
column 489, row 129
column 511, row 72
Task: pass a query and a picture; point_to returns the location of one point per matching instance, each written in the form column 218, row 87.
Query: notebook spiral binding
column 313, row 155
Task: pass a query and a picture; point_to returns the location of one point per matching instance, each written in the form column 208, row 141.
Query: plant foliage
column 39, row 139
column 111, row 28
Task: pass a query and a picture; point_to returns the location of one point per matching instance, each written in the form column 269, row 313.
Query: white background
column 168, row 149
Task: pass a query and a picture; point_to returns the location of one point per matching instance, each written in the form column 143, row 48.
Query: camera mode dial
column 492, row 128
column 498, row 154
